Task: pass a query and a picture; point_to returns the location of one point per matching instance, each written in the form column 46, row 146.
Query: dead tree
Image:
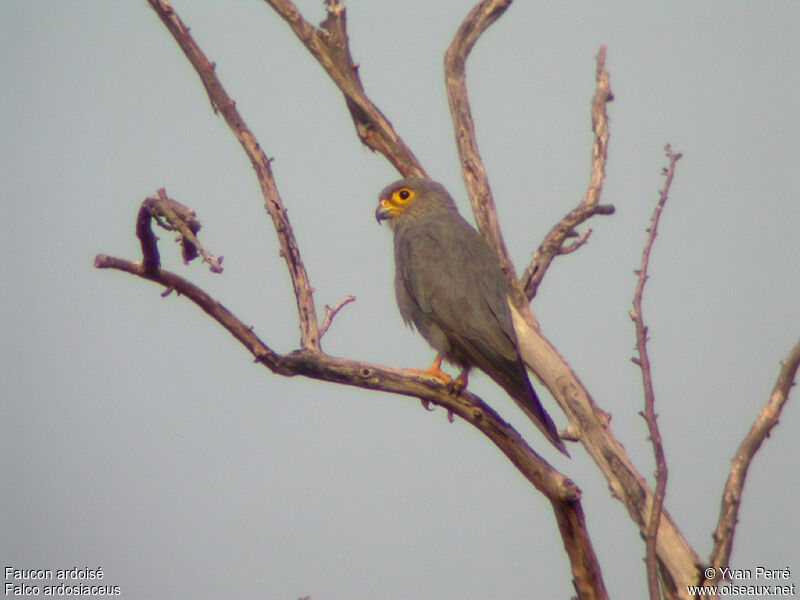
column 671, row 563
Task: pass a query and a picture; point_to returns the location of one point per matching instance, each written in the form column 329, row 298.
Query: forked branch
column 330, row 313
column 317, row 365
column 553, row 244
column 330, row 46
column 562, row 493
column 221, row 102
column 171, row 215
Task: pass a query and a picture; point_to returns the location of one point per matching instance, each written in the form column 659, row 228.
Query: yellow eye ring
column 403, row 196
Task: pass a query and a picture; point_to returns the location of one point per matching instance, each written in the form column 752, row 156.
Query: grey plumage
column 449, row 285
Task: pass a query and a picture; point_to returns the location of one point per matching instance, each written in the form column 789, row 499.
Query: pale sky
column 138, row 436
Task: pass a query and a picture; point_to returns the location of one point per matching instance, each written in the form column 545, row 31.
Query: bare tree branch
column 627, row 484
column 415, row 384
column 553, row 244
column 179, row 218
column 309, row 360
column 309, row 335
column 732, row 495
column 586, row 571
column 562, row 493
column 476, row 181
column 330, row 313
column 591, row 426
column 643, row 360
column 330, row 47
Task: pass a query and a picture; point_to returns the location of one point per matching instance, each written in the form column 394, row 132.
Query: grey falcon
column 449, row 285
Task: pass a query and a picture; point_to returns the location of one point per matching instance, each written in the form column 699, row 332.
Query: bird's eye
column 403, row 196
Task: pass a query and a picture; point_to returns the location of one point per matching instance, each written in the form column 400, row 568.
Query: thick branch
column 562, row 493
column 590, row 425
column 316, row 365
column 472, row 170
column 330, row 47
column 643, row 360
column 585, row 569
column 732, row 495
column 553, row 244
column 309, row 335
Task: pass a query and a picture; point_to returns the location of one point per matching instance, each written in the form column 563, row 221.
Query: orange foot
column 436, row 371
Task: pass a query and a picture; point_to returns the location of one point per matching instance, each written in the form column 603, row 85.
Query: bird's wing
column 452, row 275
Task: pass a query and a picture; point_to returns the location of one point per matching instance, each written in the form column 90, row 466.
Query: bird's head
column 409, row 197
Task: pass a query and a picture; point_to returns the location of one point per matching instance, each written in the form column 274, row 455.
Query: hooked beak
column 383, row 212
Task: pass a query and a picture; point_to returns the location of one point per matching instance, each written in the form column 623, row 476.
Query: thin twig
column 330, row 313
column 590, row 206
column 473, row 172
column 309, row 335
column 583, row 237
column 643, row 361
column 731, row 497
column 330, row 46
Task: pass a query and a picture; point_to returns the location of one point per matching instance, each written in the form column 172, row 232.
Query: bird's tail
column 526, row 398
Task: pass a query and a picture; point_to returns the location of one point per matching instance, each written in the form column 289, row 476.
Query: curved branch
column 732, row 495
column 625, row 481
column 330, row 47
column 476, row 181
column 590, row 425
column 178, row 218
column 220, row 101
column 562, row 493
column 412, row 383
column 590, row 206
column 643, row 361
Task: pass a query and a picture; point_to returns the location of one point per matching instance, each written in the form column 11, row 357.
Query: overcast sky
column 138, row 436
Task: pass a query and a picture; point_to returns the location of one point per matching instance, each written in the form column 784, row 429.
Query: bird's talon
column 460, row 382
column 450, row 416
column 426, row 404
column 435, row 371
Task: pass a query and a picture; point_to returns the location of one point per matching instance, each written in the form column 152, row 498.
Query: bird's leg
column 460, row 382
column 436, row 371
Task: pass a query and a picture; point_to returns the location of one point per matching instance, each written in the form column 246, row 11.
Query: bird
column 450, row 287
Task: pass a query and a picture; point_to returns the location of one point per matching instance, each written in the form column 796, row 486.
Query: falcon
column 450, row 287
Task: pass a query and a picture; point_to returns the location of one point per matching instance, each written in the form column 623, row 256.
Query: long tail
column 514, row 379
column 529, row 402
